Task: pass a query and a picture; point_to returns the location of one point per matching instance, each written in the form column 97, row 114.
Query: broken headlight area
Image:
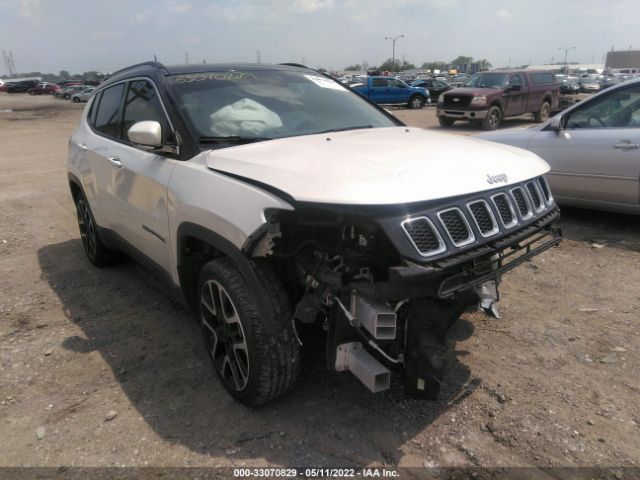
column 379, row 304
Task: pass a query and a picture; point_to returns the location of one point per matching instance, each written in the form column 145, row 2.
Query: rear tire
column 76, row 100
column 493, row 119
column 542, row 115
column 97, row 253
column 253, row 365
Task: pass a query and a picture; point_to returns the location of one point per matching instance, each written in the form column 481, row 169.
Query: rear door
column 597, row 155
column 100, row 148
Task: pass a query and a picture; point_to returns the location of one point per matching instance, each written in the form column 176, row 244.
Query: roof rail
column 151, row 63
column 288, row 64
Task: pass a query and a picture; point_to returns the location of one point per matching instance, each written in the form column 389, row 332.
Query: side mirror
column 146, row 134
column 514, row 88
column 555, row 124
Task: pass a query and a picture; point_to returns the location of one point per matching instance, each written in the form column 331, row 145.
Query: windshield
column 487, row 80
column 239, row 106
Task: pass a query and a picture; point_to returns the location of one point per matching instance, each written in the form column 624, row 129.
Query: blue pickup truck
column 389, row 90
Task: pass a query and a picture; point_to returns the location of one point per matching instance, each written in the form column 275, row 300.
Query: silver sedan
column 83, row 95
column 593, row 148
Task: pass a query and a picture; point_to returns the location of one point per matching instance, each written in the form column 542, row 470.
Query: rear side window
column 379, row 82
column 107, row 119
column 542, row 78
column 143, row 104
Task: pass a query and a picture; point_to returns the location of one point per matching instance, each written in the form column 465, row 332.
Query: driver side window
column 619, row 109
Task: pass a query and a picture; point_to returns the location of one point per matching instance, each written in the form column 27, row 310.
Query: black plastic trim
column 244, row 264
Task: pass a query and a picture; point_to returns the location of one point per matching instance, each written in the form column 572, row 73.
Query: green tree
column 397, row 67
column 462, row 60
column 64, row 75
column 353, row 68
column 484, row 64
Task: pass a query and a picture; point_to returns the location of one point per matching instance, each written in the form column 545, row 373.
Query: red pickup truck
column 488, row 97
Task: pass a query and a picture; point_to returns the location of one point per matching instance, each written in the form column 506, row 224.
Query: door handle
column 82, row 147
column 626, row 145
column 115, row 161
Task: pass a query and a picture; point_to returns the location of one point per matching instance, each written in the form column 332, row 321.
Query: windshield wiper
column 233, row 139
column 359, row 127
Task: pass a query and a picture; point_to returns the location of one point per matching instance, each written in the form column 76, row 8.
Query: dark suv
column 488, row 97
column 22, row 86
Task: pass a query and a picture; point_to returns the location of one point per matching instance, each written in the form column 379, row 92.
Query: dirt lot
column 554, row 383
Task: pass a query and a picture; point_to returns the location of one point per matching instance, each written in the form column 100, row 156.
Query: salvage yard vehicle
column 66, row 92
column 284, row 207
column 44, row 88
column 593, row 149
column 21, row 86
column 82, row 96
column 488, row 97
column 392, row 91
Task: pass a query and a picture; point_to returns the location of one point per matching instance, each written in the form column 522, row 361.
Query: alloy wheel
column 224, row 335
column 87, row 228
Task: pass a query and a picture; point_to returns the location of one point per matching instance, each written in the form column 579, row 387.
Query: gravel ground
column 104, row 368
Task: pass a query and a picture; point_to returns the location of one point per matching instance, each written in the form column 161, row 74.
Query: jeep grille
column 483, row 218
column 535, row 196
column 468, row 222
column 521, row 202
column 456, row 226
column 505, row 209
column 424, row 236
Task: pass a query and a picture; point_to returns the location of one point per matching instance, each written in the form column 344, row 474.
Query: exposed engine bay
column 385, row 292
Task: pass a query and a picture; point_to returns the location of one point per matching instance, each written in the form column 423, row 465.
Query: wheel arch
column 497, row 103
column 195, row 246
column 75, row 186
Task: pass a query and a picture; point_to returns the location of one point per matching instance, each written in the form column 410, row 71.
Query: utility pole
column 6, row 62
column 258, row 57
column 393, row 50
column 186, row 58
column 566, row 53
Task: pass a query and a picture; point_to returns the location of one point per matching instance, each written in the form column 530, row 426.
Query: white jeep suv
column 285, row 209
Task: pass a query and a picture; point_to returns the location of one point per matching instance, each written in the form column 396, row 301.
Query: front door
column 140, row 183
column 597, row 153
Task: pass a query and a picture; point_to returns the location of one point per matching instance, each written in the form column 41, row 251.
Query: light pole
column 393, row 50
column 566, row 52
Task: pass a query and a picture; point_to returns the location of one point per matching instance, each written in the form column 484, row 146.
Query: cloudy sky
column 48, row 35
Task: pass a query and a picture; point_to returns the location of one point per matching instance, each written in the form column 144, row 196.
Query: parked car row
column 68, row 90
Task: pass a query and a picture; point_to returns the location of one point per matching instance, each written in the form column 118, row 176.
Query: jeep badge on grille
column 500, row 178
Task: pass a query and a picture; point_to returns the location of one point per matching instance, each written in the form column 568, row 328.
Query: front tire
column 76, row 100
column 253, row 365
column 416, row 102
column 493, row 119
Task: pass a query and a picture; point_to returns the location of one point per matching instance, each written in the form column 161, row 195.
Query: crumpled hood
column 382, row 166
